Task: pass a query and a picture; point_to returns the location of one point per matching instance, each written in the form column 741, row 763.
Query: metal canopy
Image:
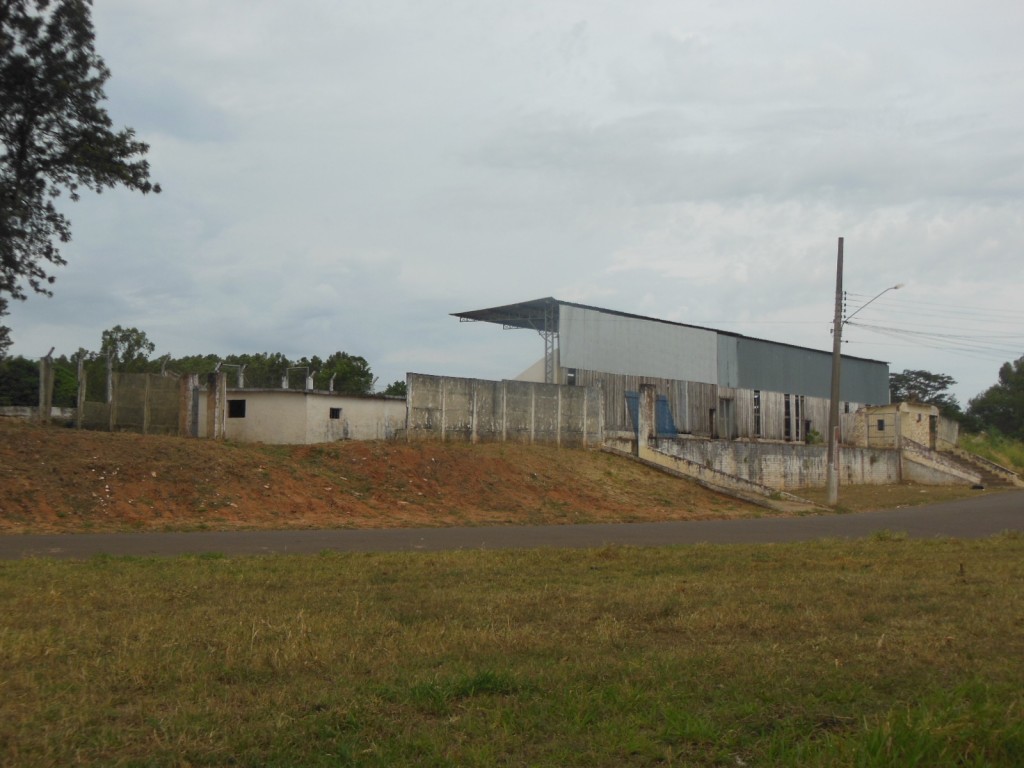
column 540, row 315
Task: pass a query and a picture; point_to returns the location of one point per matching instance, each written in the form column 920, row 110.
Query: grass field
column 876, row 652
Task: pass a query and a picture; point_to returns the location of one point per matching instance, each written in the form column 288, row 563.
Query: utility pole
column 833, row 405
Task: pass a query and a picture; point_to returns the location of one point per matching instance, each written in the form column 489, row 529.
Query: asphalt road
column 966, row 519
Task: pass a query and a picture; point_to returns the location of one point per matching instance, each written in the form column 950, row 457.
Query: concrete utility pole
column 833, row 405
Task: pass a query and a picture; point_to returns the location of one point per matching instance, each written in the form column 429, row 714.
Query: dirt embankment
column 58, row 479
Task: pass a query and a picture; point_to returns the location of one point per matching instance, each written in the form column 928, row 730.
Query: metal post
column 833, row 406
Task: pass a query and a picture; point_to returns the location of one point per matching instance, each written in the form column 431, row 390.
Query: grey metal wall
column 593, row 340
column 765, row 365
column 602, row 341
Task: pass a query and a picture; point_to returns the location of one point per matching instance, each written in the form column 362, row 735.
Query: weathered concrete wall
column 361, row 418
column 140, row 402
column 30, row 412
column 786, row 466
column 271, row 416
column 480, row 410
column 299, row 417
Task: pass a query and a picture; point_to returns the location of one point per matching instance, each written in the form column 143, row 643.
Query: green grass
column 995, row 447
column 883, row 651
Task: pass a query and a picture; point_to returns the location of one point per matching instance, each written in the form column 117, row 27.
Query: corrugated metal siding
column 728, row 361
column 774, row 367
column 599, row 341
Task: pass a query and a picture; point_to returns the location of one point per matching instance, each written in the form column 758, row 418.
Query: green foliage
column 128, row 348
column 396, row 389
column 5, row 332
column 57, row 136
column 926, row 387
column 1001, row 406
column 65, row 384
column 265, row 370
column 351, row 373
column 19, row 381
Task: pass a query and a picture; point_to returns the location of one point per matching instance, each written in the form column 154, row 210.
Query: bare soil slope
column 58, row 479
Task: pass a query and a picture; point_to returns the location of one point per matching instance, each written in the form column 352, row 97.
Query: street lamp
column 833, row 409
column 890, row 288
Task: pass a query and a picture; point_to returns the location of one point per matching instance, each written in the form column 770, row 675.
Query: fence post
column 558, row 416
column 216, row 396
column 82, row 384
column 504, row 410
column 472, row 413
column 145, row 406
column 45, row 387
column 111, row 399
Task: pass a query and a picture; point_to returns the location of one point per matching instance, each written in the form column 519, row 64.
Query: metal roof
column 540, row 315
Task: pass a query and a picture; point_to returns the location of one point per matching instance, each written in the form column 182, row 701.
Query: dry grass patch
column 876, row 652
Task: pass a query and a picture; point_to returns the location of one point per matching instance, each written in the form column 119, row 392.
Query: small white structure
column 297, row 417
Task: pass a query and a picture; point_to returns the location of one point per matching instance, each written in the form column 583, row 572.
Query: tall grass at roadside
column 884, row 651
column 996, row 447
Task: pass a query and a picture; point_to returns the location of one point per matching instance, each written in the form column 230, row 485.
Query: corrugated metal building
column 712, row 382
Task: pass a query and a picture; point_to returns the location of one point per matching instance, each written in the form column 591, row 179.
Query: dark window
column 570, row 376
column 335, row 413
column 757, row 413
column 881, row 425
column 846, row 407
column 236, row 409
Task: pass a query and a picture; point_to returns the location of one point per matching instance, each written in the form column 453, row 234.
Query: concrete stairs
column 992, row 475
column 721, row 482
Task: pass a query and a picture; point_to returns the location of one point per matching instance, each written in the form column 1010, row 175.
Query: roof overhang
column 537, row 315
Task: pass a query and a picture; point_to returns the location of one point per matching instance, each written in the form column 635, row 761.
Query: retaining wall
column 481, row 410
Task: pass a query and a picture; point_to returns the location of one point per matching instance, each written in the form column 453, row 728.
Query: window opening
column 335, row 413
column 236, row 409
column 757, row 413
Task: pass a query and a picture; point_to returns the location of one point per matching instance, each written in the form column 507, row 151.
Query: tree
column 129, row 349
column 1002, row 405
column 924, row 387
column 55, row 134
column 396, row 389
column 19, row 381
column 352, row 374
column 5, row 332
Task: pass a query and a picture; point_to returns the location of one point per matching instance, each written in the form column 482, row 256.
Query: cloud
column 343, row 176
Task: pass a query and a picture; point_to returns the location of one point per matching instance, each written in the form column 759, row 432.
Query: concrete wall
column 785, row 466
column 297, row 417
column 480, row 410
column 140, row 402
column 889, row 426
column 31, row 412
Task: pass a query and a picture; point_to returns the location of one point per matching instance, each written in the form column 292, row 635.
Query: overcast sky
column 343, row 174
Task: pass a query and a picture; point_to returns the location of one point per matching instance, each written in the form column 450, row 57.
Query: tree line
column 130, row 351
